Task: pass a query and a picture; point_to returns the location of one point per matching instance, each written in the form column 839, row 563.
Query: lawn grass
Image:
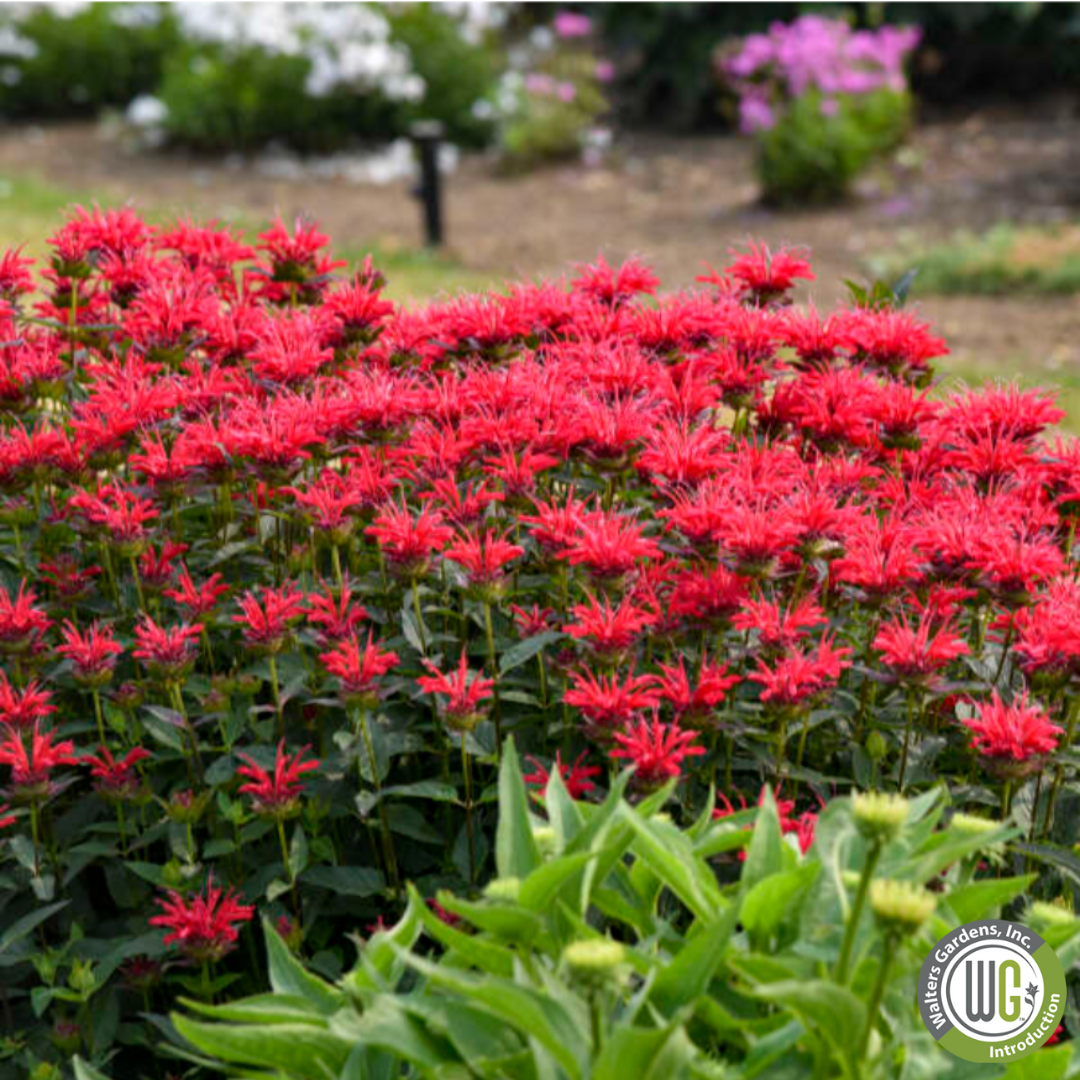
column 31, row 210
column 1005, row 259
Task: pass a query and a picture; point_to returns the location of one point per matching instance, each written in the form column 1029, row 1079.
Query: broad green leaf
column 386, row 1025
column 542, row 885
column 85, row 1071
column 688, row 975
column 28, row 923
column 346, row 880
column 528, row 1011
column 289, row 976
column 276, row 1008
column 379, row 956
column 645, row 1054
column 670, row 856
column 766, row 904
column 505, row 920
column 833, row 1011
column 525, row 650
column 516, row 853
column 765, row 855
column 981, row 899
column 474, row 950
column 300, row 1050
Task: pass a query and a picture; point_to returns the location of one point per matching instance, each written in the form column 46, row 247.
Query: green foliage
column 814, row 152
column 78, row 64
column 623, row 946
column 457, row 73
column 241, row 99
column 1003, row 260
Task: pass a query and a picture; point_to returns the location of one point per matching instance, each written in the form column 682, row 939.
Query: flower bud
column 972, row 824
column 504, row 890
column 876, row 747
column 880, row 816
column 901, row 906
column 1042, row 916
column 597, row 962
column 546, row 839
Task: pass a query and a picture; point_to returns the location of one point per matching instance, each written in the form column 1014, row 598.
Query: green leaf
column 536, row 1015
column 85, row 1071
column 28, row 923
column 289, row 976
column 525, row 650
column 765, row 854
column 386, row 1025
column 832, row 1011
column 380, row 954
column 980, row 899
column 474, row 950
column 299, row 1050
column 516, row 853
column 766, row 904
column 540, row 888
column 504, row 920
column 424, row 789
column 669, row 854
column 688, row 975
column 645, row 1054
column 346, row 880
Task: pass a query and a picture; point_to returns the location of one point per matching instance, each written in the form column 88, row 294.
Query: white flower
column 147, row 111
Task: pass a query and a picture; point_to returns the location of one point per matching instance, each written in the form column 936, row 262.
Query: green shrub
column 69, row 65
column 813, row 156
column 615, row 943
column 457, row 73
column 242, row 99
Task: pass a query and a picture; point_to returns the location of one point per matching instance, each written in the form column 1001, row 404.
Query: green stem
column 852, row 927
column 467, row 773
column 419, row 617
column 1059, row 770
column 874, row 1007
column 98, row 715
column 389, row 853
column 275, row 687
column 493, row 664
column 907, row 740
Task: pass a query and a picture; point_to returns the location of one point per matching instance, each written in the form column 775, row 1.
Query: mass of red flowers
column 285, row 563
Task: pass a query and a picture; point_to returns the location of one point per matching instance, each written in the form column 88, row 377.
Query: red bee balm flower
column 463, row 709
column 407, row 542
column 267, row 624
column 915, row 653
column 92, row 653
column 277, row 795
column 21, row 622
column 167, row 652
column 1012, row 738
column 657, row 751
column 117, row 779
column 204, row 928
column 576, row 777
column 30, row 770
column 22, row 708
column 483, row 558
column 359, row 667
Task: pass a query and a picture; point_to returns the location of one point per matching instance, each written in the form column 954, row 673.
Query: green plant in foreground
column 617, row 943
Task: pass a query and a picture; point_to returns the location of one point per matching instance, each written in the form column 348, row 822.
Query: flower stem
column 1059, row 770
column 856, row 913
column 389, row 853
column 466, row 772
column 493, row 664
column 907, row 739
column 874, row 1007
column 275, row 687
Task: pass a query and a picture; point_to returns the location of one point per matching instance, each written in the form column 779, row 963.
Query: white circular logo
column 992, row 989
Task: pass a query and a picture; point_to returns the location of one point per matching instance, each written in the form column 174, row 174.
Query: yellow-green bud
column 972, row 824
column 850, row 878
column 546, row 839
column 876, row 746
column 880, row 816
column 504, row 890
column 1043, row 914
column 596, row 962
column 901, row 906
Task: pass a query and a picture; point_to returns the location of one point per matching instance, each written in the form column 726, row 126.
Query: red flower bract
column 203, row 927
